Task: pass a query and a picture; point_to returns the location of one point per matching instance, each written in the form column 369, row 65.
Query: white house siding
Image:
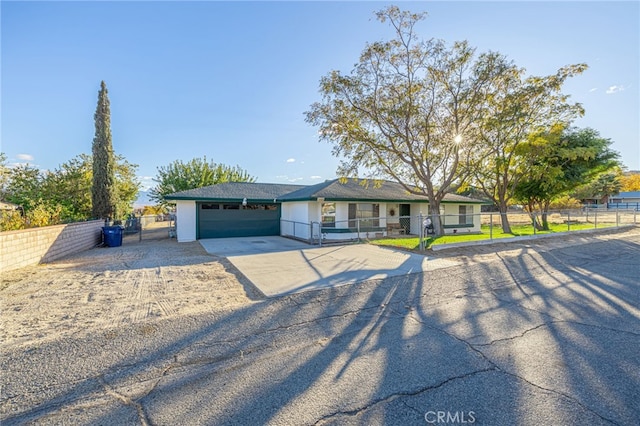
column 383, row 212
column 295, row 219
column 395, row 218
column 186, row 223
column 342, row 220
column 418, row 211
column 452, row 216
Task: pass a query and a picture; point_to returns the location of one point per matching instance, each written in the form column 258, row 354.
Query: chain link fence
column 150, row 227
column 457, row 228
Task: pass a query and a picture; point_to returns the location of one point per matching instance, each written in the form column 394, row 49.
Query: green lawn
column 412, row 243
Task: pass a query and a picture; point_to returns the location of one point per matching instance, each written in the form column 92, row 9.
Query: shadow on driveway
column 279, row 266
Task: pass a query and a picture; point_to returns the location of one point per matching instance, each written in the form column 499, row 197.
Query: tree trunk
column 545, row 216
column 437, row 224
column 531, row 209
column 436, row 220
column 506, row 227
column 534, row 220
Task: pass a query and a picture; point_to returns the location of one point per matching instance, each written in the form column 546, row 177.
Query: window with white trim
column 465, row 215
column 329, row 215
column 368, row 215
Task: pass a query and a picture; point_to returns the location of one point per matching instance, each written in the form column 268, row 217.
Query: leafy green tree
column 127, row 186
column 560, row 161
column 408, row 109
column 103, row 194
column 43, row 214
column 515, row 108
column 565, row 202
column 4, row 175
column 630, row 181
column 606, row 185
column 70, row 187
column 11, row 220
column 196, row 173
column 24, row 186
column 64, row 194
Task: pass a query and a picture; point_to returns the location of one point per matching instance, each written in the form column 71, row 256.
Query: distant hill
column 143, row 200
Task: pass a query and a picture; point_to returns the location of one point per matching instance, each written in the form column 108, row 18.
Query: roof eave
column 225, row 200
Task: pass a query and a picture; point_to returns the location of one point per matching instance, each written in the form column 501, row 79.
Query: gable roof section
column 352, row 190
column 331, row 190
column 335, row 190
column 236, row 191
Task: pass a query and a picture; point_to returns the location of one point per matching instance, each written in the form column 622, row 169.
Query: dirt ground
column 157, row 278
column 140, row 281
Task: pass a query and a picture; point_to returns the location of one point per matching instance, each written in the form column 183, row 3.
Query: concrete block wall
column 40, row 245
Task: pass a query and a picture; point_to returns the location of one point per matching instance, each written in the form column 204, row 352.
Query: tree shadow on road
column 503, row 341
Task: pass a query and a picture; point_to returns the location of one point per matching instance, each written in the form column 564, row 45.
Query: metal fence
column 622, row 206
column 485, row 225
column 350, row 230
column 304, row 231
column 578, row 219
column 150, row 226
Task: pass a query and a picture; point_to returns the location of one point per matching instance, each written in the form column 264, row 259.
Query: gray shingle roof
column 352, row 190
column 331, row 190
column 236, row 191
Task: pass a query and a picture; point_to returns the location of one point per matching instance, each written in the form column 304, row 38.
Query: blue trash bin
column 112, row 235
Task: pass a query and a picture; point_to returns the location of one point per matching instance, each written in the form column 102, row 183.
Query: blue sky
column 231, row 80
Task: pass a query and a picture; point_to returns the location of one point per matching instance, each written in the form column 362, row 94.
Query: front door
column 405, row 218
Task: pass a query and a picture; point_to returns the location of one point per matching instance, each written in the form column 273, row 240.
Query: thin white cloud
column 593, row 90
column 291, row 160
column 615, row 89
column 292, row 180
column 25, row 157
column 315, row 177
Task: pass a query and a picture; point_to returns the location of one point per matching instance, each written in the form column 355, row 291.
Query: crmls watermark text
column 450, row 417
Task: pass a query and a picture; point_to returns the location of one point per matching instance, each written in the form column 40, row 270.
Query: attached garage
column 230, row 209
column 247, row 209
column 220, row 220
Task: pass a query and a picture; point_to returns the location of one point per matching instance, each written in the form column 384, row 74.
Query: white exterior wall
column 396, row 212
column 342, row 221
column 342, row 215
column 453, row 213
column 418, row 210
column 186, row 222
column 383, row 215
column 297, row 211
column 305, row 212
column 294, row 219
column 315, row 211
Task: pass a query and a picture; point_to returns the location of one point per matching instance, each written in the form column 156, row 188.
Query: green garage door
column 219, row 220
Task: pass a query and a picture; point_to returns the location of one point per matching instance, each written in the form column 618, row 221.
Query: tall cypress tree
column 103, row 195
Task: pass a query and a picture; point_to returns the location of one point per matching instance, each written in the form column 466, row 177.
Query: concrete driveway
column 278, row 265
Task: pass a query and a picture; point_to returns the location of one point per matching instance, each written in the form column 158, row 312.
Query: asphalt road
column 525, row 334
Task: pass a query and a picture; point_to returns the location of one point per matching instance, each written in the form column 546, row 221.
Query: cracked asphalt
column 517, row 334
